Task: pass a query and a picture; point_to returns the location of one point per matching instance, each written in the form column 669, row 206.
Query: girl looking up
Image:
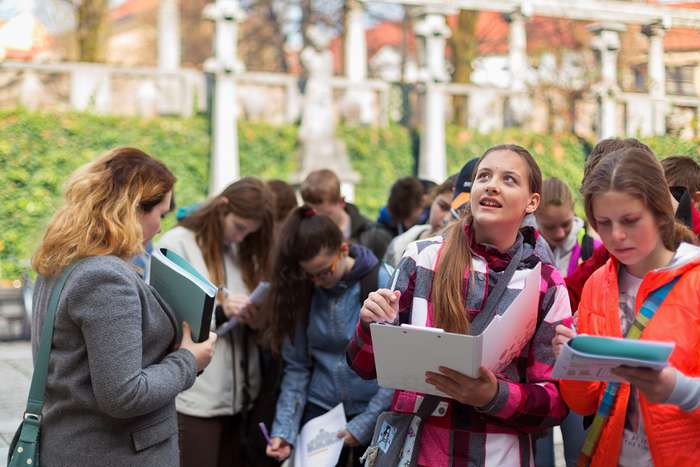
column 444, row 282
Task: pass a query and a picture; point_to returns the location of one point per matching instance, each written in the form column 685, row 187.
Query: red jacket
column 576, row 280
column 673, row 435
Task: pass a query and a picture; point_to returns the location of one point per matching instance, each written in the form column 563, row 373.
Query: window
column 680, row 80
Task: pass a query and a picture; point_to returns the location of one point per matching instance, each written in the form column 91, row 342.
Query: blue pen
column 263, row 429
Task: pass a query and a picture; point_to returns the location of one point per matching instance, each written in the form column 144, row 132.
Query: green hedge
column 39, row 151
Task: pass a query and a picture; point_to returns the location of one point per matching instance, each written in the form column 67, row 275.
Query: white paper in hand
column 318, row 444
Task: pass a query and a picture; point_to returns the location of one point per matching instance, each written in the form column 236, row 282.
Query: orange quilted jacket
column 673, row 435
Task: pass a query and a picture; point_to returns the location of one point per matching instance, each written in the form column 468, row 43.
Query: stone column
column 519, row 105
column 225, row 65
column 606, row 42
column 91, row 88
column 657, row 76
column 358, row 100
column 169, row 35
column 431, row 27
column 170, row 91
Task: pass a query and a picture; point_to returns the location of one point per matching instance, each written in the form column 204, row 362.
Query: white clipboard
column 402, row 354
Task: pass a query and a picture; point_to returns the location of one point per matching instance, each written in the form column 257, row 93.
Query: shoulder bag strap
column 646, row 312
column 35, row 401
column 489, row 311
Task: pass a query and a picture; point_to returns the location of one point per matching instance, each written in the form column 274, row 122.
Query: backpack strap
column 369, row 282
column 587, row 246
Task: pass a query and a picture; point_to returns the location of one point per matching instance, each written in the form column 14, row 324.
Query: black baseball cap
column 463, row 184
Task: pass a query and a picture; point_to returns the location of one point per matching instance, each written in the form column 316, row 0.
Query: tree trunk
column 465, row 48
column 92, row 30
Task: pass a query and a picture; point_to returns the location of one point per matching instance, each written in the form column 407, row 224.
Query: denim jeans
column 573, row 434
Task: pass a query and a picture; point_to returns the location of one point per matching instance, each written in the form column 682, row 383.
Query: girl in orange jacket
column 628, row 203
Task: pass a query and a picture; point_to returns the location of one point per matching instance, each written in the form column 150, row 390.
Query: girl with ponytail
column 655, row 419
column 315, row 302
column 444, row 282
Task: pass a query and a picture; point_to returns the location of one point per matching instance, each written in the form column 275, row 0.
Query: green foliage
column 557, row 155
column 39, row 151
column 380, row 156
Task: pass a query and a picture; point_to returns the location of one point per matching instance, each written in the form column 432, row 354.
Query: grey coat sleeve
column 686, row 393
column 107, row 308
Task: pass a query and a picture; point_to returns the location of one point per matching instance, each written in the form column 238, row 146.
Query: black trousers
column 210, row 441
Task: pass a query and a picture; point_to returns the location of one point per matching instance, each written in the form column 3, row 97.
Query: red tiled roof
column 133, row 7
column 681, row 39
column 491, row 31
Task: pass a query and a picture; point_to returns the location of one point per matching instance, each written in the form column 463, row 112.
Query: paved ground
column 15, row 376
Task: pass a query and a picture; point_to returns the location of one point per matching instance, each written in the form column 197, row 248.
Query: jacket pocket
column 155, row 433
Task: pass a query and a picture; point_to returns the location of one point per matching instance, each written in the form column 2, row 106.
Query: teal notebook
column 189, row 295
column 622, row 348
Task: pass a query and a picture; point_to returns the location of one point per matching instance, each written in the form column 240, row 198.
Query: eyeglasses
column 324, row 273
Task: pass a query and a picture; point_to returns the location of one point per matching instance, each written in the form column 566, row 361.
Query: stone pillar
column 606, row 42
column 657, row 76
column 169, row 35
column 519, row 105
column 91, row 88
column 431, row 27
column 224, row 166
column 170, row 90
column 358, row 100
column 30, row 91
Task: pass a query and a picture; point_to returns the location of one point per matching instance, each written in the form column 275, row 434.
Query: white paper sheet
column 403, row 354
column 574, row 365
column 318, row 444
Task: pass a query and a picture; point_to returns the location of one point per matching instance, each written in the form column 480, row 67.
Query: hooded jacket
column 673, row 435
column 315, row 367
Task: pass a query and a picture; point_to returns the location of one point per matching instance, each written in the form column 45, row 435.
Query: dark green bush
column 39, row 151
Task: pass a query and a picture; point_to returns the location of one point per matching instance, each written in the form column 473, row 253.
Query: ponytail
column 681, row 233
column 449, row 284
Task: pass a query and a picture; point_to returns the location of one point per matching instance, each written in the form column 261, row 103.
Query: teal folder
column 189, row 295
column 622, row 348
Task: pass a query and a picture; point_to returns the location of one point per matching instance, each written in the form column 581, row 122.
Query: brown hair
column 682, row 171
column 445, row 187
column 248, row 198
column 637, row 173
column 555, row 193
column 321, row 186
column 449, row 288
column 607, row 146
column 285, row 198
column 100, row 212
column 405, row 197
column 302, row 237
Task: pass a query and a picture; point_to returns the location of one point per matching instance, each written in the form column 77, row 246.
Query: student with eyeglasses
column 318, row 285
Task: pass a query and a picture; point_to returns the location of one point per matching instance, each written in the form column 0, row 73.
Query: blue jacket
column 315, row 366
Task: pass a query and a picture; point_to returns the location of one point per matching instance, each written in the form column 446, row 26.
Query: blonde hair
column 100, row 211
column 556, row 193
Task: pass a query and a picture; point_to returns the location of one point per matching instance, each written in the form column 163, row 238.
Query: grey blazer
column 113, row 375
